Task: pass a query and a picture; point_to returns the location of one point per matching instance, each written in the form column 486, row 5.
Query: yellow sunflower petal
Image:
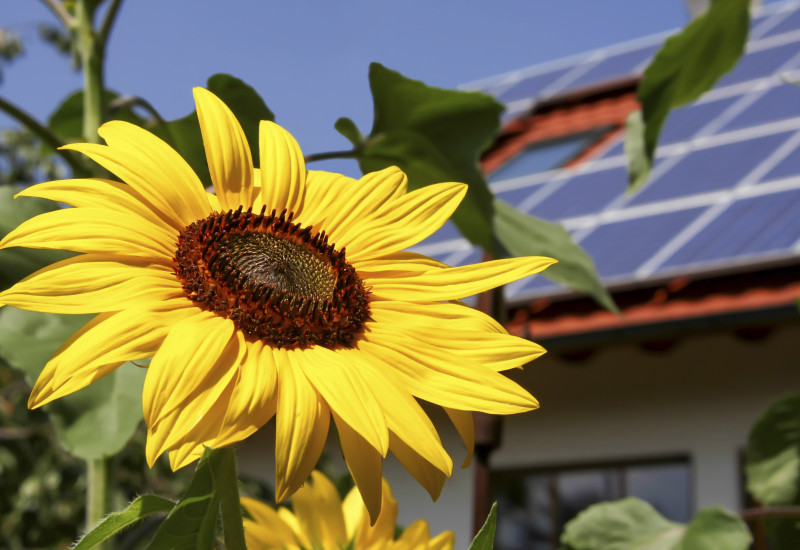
column 301, row 427
column 445, row 540
column 457, row 282
column 266, row 531
column 96, row 193
column 254, row 399
column 498, row 351
column 417, row 534
column 398, row 264
column 95, row 230
column 365, row 465
column 428, row 475
column 152, row 168
column 194, row 365
column 455, row 316
column 91, row 284
column 283, row 169
column 404, row 416
column 104, row 343
column 335, row 376
column 318, row 509
column 229, row 159
column 431, row 374
column 403, row 222
column 366, row 536
column 464, row 421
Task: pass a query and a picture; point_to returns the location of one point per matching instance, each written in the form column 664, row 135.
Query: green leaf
column 17, row 263
column 433, row 135
column 484, row 540
column 94, row 422
column 716, row 529
column 192, row 523
column 524, row 235
column 628, row 524
column 348, row 129
column 773, row 454
column 67, row 120
column 245, row 103
column 686, row 66
column 140, row 508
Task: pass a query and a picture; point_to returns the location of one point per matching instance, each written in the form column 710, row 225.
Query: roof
column 724, row 194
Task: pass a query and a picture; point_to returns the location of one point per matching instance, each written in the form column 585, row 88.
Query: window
column 534, row 505
column 546, row 155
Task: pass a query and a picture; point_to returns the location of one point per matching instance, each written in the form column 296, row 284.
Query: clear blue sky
column 309, row 59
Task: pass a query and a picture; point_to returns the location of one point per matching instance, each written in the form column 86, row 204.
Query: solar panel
column 751, row 226
column 531, row 86
column 726, row 185
column 710, row 169
column 616, row 66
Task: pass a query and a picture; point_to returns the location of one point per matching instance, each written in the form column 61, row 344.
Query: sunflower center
column 277, row 281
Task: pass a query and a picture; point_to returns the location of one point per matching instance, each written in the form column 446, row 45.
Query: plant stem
column 59, row 11
column 90, row 50
column 351, row 154
column 231, row 507
column 96, row 491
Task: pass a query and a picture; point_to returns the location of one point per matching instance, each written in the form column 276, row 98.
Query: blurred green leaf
column 773, row 467
column 143, row 506
column 67, row 120
column 94, row 422
column 184, row 133
column 524, row 235
column 628, row 524
column 433, row 135
column 484, row 540
column 633, row 524
column 17, row 263
column 716, row 529
column 686, row 66
column 348, row 129
column 192, row 523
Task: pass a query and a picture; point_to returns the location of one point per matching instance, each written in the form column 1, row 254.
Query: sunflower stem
column 229, row 497
column 90, row 49
column 98, row 471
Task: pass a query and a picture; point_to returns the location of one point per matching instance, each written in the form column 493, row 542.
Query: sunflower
column 322, row 521
column 287, row 293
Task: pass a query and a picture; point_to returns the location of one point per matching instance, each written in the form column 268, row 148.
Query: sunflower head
column 321, row 520
column 286, row 293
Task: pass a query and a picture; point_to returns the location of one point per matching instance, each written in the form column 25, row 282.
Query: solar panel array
column 725, row 188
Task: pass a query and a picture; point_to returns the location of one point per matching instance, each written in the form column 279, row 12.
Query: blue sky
column 309, row 60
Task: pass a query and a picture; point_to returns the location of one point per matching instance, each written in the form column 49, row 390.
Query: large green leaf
column 773, row 454
column 716, row 529
column 433, row 135
column 687, row 65
column 67, row 120
column 773, row 467
column 484, row 540
column 524, row 235
column 94, row 422
column 140, row 508
column 628, row 524
column 184, row 133
column 16, row 263
column 632, row 524
column 192, row 523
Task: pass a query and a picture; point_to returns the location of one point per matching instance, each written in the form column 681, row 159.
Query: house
column 704, row 263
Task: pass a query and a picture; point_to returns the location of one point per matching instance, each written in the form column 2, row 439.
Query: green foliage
column 184, row 133
column 632, row 524
column 773, row 466
column 433, row 135
column 437, row 135
column 16, row 263
column 524, row 235
column 25, row 160
column 67, row 120
column 94, row 422
column 10, row 47
column 687, row 65
column 192, row 523
column 142, row 507
column 484, row 540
